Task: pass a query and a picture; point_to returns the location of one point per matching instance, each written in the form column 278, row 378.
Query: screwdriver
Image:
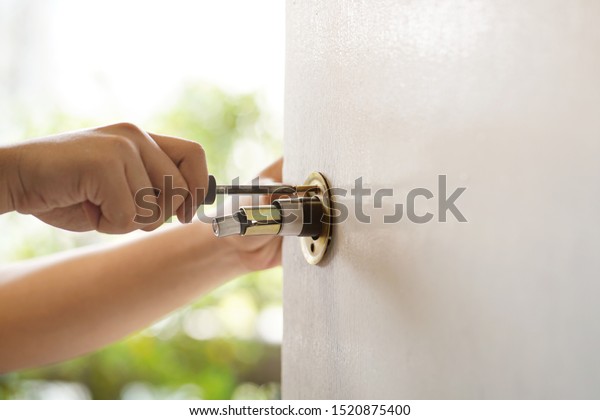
column 214, row 189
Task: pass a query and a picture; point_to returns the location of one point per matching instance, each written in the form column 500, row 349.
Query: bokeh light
column 207, row 71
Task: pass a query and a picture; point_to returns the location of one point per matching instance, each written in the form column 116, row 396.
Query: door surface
column 501, row 97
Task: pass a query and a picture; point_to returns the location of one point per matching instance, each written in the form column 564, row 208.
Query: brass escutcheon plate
column 315, row 249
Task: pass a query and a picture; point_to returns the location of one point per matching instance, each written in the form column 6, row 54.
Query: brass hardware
column 262, row 220
column 307, row 214
column 314, row 248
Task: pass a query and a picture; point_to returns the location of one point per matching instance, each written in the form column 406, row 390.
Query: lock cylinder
column 301, row 216
column 307, row 213
column 298, row 216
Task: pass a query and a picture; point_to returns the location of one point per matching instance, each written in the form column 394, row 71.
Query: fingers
column 75, row 218
column 116, row 203
column 148, row 214
column 109, row 183
column 166, row 177
column 161, row 169
column 119, row 191
column 190, row 159
column 273, row 171
column 174, row 167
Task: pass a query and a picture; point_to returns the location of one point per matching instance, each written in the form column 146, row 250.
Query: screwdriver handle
column 211, row 194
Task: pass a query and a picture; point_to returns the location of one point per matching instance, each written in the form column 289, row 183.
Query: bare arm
column 97, row 179
column 64, row 306
column 59, row 307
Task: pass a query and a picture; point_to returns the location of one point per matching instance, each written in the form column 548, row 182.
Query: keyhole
column 312, row 247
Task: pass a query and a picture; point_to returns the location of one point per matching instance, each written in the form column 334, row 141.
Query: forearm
column 68, row 305
column 8, row 177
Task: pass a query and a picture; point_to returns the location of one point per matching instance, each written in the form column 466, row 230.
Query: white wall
column 504, row 98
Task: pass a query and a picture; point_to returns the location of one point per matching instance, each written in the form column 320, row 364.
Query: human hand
column 88, row 180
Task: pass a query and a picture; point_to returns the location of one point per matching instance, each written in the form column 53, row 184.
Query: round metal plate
column 314, row 249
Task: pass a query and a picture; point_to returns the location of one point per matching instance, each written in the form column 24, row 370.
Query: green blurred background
column 227, row 344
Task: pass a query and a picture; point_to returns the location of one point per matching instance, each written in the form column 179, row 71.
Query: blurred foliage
column 224, row 123
column 224, row 346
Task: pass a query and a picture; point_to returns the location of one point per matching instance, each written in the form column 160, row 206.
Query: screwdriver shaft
column 264, row 189
column 214, row 189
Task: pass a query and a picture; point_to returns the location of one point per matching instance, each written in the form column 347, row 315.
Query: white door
column 501, row 97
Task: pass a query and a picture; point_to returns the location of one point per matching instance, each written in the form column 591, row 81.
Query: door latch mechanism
column 302, row 210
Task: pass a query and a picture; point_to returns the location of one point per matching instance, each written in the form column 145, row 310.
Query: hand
column 88, row 180
column 260, row 252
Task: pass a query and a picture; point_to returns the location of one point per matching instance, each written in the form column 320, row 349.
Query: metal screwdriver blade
column 226, row 226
